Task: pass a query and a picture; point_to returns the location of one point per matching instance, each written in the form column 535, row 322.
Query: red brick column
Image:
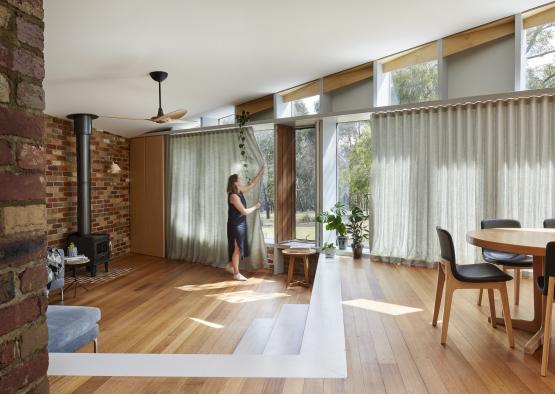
column 23, row 332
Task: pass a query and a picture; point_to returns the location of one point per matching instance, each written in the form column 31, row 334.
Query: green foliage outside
column 265, row 139
column 540, row 58
column 300, row 107
column 305, row 169
column 414, row 84
column 353, row 162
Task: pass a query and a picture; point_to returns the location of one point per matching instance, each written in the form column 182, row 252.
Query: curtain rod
column 464, row 103
column 207, row 130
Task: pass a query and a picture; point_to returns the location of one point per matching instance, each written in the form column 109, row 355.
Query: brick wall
column 109, row 193
column 23, row 332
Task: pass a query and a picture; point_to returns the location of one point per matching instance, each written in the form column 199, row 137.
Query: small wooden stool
column 293, row 254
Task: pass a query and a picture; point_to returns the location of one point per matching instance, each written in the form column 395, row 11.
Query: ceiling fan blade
column 121, row 117
column 174, row 115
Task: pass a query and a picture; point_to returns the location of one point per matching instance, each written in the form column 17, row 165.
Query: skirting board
column 322, row 352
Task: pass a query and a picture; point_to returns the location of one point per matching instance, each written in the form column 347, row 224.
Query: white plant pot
column 329, row 253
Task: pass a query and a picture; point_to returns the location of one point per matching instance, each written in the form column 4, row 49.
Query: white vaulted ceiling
column 219, row 53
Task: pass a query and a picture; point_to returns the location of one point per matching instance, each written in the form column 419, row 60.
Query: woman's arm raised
column 254, row 182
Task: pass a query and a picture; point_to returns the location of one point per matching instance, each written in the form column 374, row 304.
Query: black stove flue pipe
column 82, row 126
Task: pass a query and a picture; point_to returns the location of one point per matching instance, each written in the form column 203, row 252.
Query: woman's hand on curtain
column 236, row 201
column 255, row 180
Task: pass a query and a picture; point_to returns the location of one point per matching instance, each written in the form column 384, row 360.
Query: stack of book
column 77, row 259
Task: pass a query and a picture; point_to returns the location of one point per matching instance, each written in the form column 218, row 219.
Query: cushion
column 478, row 273
column 68, row 323
column 509, row 259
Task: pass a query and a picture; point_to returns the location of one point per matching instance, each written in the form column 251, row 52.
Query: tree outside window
column 414, row 84
column 540, row 56
column 353, row 164
column 265, row 139
column 306, row 106
column 305, row 183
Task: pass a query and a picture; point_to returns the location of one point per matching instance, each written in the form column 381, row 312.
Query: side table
column 75, row 283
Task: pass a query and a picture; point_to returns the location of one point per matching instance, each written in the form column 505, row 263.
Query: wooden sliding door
column 147, row 196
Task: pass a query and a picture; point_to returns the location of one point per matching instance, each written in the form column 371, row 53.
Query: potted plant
column 358, row 230
column 329, row 249
column 333, row 220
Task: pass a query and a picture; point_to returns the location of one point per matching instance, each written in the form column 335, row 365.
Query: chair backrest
column 549, row 223
column 500, row 223
column 447, row 249
column 548, row 264
column 497, row 223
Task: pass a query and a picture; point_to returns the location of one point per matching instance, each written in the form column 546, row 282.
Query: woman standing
column 237, row 212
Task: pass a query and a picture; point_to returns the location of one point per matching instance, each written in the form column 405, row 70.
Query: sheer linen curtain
column 454, row 166
column 197, row 169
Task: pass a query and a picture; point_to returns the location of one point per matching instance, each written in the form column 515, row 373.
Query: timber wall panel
column 147, row 196
column 285, row 178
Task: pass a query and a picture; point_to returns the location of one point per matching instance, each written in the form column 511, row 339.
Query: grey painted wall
column 356, row 96
column 264, row 115
column 486, row 69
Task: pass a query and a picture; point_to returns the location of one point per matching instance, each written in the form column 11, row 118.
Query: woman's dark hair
column 231, row 186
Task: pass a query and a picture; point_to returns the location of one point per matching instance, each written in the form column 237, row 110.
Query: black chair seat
column 479, row 273
column 508, row 259
column 540, row 283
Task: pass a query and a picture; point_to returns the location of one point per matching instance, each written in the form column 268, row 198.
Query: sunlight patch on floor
column 381, row 307
column 223, row 284
column 239, row 297
column 206, row 323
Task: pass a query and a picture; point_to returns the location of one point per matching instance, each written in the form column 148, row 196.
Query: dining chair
column 549, row 223
column 470, row 276
column 512, row 261
column 546, row 284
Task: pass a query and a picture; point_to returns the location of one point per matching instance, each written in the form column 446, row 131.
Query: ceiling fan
column 161, row 117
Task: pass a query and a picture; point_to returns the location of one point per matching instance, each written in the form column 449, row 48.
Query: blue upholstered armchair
column 56, row 270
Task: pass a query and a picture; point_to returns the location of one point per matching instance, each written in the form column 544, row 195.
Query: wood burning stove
column 95, row 246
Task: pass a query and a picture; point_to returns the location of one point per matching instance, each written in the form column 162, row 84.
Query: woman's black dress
column 237, row 228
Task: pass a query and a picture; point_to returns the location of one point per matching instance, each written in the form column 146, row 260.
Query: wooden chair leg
column 446, row 312
column 480, row 293
column 305, row 261
column 507, row 314
column 517, row 285
column 291, row 269
column 492, row 308
column 439, row 293
column 95, row 345
column 547, row 326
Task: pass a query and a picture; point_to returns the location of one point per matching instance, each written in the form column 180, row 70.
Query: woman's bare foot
column 239, row 277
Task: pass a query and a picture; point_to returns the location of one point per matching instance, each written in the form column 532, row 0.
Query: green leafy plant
column 328, row 245
column 358, row 226
column 242, row 120
column 333, row 219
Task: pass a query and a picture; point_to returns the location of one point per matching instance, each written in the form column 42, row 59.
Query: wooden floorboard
column 149, row 310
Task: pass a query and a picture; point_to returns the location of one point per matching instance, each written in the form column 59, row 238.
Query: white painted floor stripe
column 322, row 354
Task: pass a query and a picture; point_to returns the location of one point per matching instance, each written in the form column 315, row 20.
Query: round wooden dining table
column 530, row 241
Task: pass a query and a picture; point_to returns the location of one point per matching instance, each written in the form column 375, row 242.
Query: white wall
column 486, row 69
column 356, row 96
